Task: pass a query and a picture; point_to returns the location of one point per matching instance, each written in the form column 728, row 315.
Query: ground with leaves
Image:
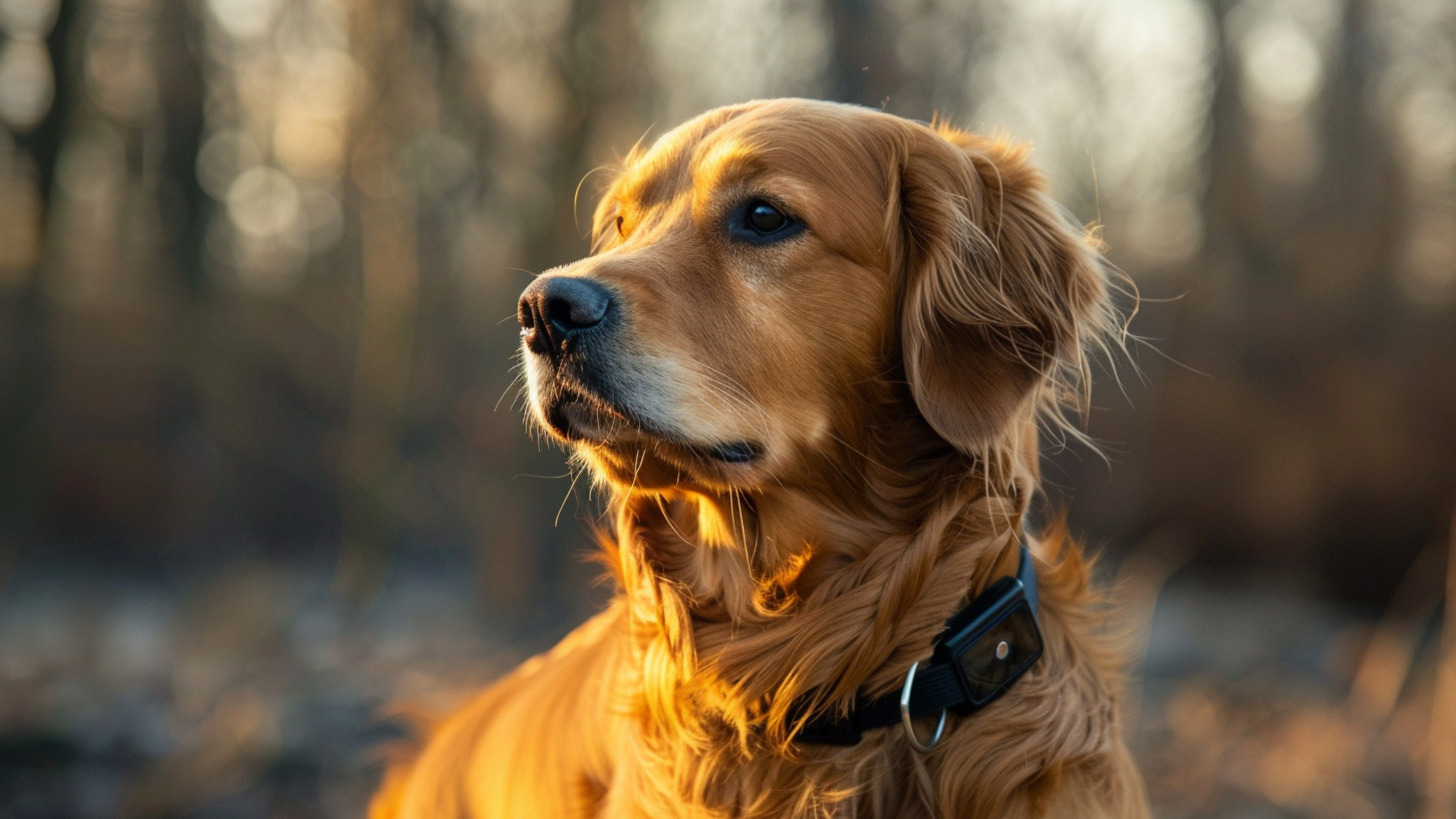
column 257, row 692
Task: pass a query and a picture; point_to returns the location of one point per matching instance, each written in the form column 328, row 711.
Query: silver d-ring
column 915, row 742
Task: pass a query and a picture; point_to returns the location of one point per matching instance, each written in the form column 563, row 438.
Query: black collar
column 985, row 648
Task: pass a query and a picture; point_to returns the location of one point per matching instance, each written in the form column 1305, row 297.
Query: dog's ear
column 1001, row 288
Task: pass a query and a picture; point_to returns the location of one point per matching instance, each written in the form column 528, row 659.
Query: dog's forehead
column 804, row 135
column 656, row 174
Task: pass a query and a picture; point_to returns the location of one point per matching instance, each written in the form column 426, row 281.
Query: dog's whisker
column 575, row 476
column 519, row 383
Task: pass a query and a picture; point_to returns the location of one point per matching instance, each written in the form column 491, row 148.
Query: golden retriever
column 807, row 359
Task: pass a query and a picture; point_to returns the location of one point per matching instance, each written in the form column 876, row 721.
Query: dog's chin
column 632, row 452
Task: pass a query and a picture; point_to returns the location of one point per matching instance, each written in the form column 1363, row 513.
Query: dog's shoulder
column 542, row 733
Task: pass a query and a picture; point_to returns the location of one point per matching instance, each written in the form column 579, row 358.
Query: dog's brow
column 715, row 164
column 664, row 174
column 655, row 178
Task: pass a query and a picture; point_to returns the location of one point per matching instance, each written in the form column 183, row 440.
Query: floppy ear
column 1001, row 289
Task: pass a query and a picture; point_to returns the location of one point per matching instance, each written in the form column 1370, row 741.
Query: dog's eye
column 620, row 232
column 760, row 223
column 765, row 218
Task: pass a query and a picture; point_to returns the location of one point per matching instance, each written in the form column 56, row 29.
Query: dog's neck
column 811, row 591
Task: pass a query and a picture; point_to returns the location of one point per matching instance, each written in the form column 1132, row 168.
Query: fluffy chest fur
column 710, row 715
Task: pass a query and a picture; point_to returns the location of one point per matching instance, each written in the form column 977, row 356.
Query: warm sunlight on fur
column 807, row 359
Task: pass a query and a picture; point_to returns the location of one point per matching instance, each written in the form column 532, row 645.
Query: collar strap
column 985, row 648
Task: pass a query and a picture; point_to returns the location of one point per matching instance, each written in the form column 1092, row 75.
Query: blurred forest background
column 262, row 467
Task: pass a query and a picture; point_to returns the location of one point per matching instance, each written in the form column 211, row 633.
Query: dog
column 808, row 360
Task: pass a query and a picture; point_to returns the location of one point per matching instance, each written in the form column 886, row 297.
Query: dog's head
column 772, row 280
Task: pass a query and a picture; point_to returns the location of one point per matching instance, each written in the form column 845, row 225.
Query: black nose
column 555, row 308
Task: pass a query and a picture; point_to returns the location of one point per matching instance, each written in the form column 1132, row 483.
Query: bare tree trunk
column 381, row 36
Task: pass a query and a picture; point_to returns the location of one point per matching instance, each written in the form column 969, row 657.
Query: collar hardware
column 985, row 648
column 906, row 691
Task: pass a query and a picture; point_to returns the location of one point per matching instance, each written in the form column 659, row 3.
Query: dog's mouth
column 581, row 416
column 577, row 416
column 738, row 452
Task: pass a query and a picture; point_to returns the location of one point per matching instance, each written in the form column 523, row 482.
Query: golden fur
column 891, row 363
